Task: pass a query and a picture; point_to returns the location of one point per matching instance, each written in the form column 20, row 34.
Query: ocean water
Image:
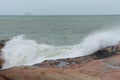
column 38, row 38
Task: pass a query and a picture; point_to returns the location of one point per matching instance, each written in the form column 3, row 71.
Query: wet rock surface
column 102, row 65
column 101, row 54
column 2, row 44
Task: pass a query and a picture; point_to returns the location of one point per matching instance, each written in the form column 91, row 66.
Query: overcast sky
column 59, row 7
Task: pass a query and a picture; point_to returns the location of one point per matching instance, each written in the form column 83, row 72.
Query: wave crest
column 21, row 51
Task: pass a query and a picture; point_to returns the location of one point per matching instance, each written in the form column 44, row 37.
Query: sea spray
column 21, row 51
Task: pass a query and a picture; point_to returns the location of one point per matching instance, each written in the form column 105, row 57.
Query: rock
column 2, row 43
column 103, row 53
column 2, row 78
column 102, row 65
column 101, row 69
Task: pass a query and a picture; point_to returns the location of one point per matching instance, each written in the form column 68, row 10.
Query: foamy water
column 22, row 51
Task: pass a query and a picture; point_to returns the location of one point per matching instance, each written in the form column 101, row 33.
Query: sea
column 34, row 39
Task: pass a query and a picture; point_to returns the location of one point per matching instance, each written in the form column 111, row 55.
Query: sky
column 60, row 7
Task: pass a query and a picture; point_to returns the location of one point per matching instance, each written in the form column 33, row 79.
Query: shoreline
column 98, row 66
column 65, row 62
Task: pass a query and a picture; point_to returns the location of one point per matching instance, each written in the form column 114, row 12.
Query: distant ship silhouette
column 28, row 13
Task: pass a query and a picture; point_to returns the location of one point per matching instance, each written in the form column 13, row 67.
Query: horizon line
column 63, row 15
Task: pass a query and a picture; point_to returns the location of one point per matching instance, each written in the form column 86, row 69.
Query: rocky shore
column 102, row 65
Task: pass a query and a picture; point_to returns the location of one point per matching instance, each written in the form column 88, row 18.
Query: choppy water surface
column 55, row 30
column 54, row 37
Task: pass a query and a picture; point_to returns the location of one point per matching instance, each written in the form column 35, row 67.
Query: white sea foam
column 21, row 51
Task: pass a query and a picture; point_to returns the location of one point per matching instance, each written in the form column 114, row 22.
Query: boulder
column 2, row 43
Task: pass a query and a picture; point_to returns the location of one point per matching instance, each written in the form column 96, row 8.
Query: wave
column 22, row 51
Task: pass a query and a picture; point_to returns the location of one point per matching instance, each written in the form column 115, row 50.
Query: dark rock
column 101, row 54
column 2, row 44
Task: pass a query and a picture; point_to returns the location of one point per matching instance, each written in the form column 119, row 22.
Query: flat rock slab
column 104, row 69
column 102, row 65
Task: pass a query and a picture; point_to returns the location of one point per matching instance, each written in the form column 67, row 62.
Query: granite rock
column 102, row 65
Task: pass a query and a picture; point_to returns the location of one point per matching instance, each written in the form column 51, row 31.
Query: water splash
column 21, row 51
